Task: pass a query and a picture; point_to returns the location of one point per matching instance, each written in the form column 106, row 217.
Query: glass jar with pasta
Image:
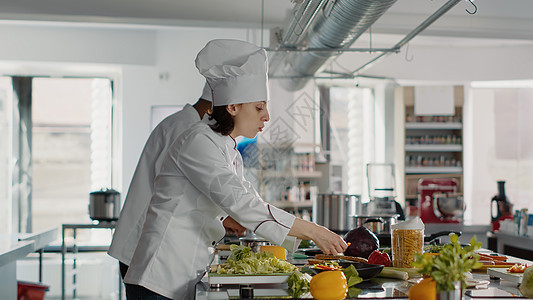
column 407, row 239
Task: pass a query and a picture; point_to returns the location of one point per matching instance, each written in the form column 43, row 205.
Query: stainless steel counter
column 521, row 242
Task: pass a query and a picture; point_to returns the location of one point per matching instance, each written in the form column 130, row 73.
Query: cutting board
column 215, row 278
column 503, row 274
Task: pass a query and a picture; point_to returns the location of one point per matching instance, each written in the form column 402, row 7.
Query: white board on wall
column 434, row 101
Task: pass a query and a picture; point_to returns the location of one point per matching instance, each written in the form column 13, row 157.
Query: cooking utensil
column 104, row 205
column 215, row 278
column 334, row 210
column 254, row 243
column 378, row 224
column 433, row 237
column 366, row 271
column 448, row 206
column 503, row 274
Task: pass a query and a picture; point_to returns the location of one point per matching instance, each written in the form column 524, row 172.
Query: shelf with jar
column 433, row 144
column 288, row 179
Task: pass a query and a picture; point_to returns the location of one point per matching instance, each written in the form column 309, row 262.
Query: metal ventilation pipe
column 339, row 24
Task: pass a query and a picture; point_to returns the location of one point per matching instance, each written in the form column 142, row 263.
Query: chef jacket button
column 213, row 243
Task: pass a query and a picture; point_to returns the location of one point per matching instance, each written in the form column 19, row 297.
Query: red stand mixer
column 439, row 202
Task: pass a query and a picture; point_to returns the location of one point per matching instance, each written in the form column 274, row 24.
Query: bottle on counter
column 501, row 208
column 523, row 222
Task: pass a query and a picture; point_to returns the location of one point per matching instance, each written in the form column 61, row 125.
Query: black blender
column 500, row 207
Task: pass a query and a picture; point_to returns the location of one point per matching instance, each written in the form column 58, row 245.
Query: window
column 70, row 148
column 351, row 137
column 501, row 148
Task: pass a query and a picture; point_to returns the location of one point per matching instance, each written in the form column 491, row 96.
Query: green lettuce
column 243, row 261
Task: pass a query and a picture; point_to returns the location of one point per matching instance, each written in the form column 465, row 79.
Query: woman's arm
column 328, row 241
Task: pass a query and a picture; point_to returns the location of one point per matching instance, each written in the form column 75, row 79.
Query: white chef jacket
column 200, row 180
column 129, row 226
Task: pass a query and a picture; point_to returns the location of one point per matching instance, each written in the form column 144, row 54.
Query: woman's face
column 249, row 118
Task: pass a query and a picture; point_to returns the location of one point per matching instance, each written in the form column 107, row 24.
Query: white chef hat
column 235, row 70
column 207, row 94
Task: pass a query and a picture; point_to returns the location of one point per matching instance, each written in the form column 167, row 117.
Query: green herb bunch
column 451, row 265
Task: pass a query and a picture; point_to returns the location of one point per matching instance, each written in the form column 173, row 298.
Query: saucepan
column 104, row 205
column 254, row 243
column 378, row 224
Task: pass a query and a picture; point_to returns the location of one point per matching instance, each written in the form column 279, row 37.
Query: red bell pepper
column 379, row 258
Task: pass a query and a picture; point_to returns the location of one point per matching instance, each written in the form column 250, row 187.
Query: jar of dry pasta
column 407, row 239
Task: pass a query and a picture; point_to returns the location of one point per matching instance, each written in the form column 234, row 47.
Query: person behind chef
column 129, row 226
column 202, row 179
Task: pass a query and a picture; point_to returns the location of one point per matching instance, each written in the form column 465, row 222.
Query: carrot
column 491, row 257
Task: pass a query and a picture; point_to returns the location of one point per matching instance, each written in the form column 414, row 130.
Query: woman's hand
column 233, row 227
column 328, row 241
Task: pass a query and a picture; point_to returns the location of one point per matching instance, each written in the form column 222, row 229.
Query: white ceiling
column 495, row 19
column 497, row 23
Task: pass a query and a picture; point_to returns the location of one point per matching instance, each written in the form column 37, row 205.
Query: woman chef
column 201, row 181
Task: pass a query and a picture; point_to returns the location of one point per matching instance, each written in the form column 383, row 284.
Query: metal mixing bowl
column 448, row 205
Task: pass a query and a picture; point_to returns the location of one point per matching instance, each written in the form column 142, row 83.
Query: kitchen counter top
column 17, row 246
column 375, row 288
column 11, row 249
column 436, row 227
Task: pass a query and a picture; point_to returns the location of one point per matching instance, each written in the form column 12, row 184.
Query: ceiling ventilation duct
column 337, row 26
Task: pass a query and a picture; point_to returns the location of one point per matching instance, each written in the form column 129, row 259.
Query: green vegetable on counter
column 389, row 272
column 399, row 273
column 352, row 276
column 451, row 265
column 298, row 284
column 243, row 261
column 433, row 248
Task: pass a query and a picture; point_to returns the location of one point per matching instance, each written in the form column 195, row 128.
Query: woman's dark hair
column 224, row 121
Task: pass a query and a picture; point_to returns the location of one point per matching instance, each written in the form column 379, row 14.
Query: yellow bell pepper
column 329, row 285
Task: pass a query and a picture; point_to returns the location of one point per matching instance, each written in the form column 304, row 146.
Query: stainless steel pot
column 334, row 211
column 378, row 224
column 104, row 205
column 254, row 243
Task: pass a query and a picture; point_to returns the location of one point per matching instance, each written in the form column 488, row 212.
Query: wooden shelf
column 433, row 148
column 433, row 126
column 433, row 170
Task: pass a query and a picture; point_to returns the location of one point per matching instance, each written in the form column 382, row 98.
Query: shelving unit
column 288, row 179
column 433, row 145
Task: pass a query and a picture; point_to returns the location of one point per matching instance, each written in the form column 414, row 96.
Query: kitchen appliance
column 439, row 202
column 500, row 207
column 381, row 189
column 335, row 211
column 104, row 205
